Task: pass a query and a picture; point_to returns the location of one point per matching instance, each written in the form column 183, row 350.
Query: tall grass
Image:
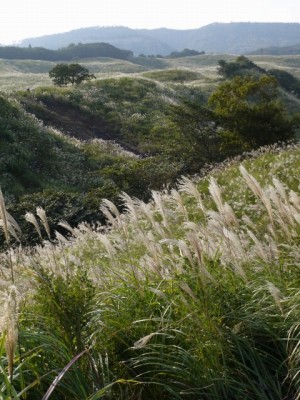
column 194, row 295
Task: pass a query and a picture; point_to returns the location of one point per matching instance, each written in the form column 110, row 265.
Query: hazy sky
column 21, row 19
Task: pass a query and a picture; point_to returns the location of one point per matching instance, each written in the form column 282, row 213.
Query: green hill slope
column 69, row 176
column 68, row 169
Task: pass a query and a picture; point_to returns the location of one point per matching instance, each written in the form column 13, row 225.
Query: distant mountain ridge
column 234, row 38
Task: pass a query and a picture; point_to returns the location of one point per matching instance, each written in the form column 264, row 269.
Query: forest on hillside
column 71, row 52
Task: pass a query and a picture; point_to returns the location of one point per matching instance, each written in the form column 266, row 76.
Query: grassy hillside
column 23, row 74
column 67, row 169
column 68, row 176
column 192, row 295
column 173, row 287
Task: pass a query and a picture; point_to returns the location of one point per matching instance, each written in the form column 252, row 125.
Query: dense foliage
column 251, row 113
column 287, row 81
column 62, row 74
column 185, row 53
column 241, row 66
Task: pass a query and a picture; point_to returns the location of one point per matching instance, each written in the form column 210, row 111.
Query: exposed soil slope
column 74, row 121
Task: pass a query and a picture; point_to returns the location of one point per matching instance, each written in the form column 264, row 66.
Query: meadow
column 23, row 74
column 188, row 293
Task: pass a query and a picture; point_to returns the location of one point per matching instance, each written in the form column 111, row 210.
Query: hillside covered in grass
column 150, row 231
column 69, row 177
column 67, row 148
column 194, row 294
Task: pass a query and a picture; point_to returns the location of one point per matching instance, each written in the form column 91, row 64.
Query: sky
column 20, row 19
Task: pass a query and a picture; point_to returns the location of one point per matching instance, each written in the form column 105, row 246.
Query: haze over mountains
column 235, row 38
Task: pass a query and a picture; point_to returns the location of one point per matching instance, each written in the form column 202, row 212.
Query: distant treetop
column 63, row 74
column 185, row 53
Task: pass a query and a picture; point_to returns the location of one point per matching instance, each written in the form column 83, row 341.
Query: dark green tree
column 286, row 80
column 250, row 112
column 198, row 129
column 78, row 74
column 62, row 74
column 241, row 66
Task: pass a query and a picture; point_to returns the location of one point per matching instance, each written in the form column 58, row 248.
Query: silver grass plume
column 294, row 199
column 259, row 248
column 112, row 207
column 110, row 211
column 284, row 214
column 216, row 194
column 226, row 212
column 276, row 294
column 60, row 237
column 31, row 219
column 196, row 246
column 67, row 226
column 3, row 217
column 236, row 251
column 158, row 201
column 130, row 207
column 177, row 200
column 110, row 249
column 9, row 325
column 148, row 210
column 280, row 190
column 188, row 187
column 13, row 226
column 42, row 215
column 258, row 191
column 143, row 341
column 185, row 252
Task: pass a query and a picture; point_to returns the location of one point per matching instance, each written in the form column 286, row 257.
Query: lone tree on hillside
column 62, row 74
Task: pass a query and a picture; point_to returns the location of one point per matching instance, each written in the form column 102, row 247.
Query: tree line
column 71, row 52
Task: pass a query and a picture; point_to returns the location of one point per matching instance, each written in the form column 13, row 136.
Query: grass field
column 23, row 74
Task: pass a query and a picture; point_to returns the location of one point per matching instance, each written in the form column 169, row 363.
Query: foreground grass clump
column 192, row 295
